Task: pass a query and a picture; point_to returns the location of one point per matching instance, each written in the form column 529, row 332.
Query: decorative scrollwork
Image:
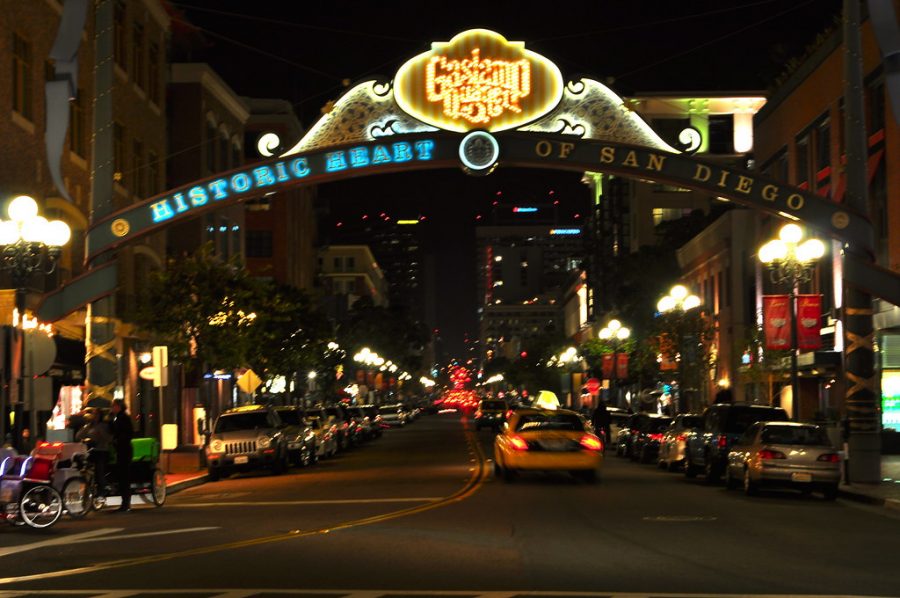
column 690, row 139
column 591, row 110
column 268, row 144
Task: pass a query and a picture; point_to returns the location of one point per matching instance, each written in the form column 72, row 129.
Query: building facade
column 349, row 272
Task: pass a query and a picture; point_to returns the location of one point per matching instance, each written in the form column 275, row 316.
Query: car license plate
column 241, row 459
column 801, row 477
column 555, row 445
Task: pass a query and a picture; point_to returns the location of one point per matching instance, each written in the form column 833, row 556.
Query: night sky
column 304, row 51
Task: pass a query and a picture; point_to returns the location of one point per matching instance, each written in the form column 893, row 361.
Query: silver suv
column 247, row 438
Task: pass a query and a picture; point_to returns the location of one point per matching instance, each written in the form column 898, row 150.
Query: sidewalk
column 886, row 494
column 183, row 471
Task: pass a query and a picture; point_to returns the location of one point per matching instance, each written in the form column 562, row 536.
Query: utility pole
column 862, row 400
column 100, row 326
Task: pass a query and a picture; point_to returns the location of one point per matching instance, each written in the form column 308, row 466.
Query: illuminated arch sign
column 478, row 80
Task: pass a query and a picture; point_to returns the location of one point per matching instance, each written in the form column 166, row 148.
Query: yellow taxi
column 542, row 439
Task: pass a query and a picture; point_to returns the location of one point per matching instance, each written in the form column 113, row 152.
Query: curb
column 176, row 487
column 861, row 497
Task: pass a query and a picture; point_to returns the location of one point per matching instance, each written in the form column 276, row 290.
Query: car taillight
column 509, row 413
column 591, row 443
column 655, row 436
column 518, row 443
column 830, row 458
column 767, row 454
column 477, row 414
column 682, row 438
column 723, row 441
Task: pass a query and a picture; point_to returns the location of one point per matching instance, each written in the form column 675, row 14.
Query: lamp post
column 566, row 360
column 30, row 244
column 792, row 261
column 677, row 303
column 615, row 334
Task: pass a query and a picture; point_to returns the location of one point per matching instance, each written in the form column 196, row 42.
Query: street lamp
column 791, row 260
column 678, row 302
column 615, row 334
column 30, row 244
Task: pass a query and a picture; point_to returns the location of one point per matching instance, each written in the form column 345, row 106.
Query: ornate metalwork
column 22, row 259
column 591, row 110
column 366, row 112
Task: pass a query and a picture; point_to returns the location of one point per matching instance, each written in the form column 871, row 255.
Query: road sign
column 248, row 382
column 160, row 366
column 593, row 386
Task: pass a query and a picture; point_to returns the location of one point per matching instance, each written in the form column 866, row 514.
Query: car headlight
column 217, row 446
column 263, row 442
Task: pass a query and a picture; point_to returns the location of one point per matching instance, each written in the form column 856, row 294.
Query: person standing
column 601, row 420
column 95, row 434
column 122, row 430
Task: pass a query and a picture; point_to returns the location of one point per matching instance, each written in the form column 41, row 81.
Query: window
column 350, row 263
column 823, row 145
column 236, row 156
column 258, row 243
column 338, row 263
column 77, row 135
column 721, row 134
column 152, row 173
column 137, row 53
column 153, row 72
column 801, row 166
column 21, row 80
column 119, row 33
column 118, row 149
column 211, row 147
column 137, row 170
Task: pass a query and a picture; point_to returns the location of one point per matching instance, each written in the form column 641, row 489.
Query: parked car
column 617, row 419
column 375, row 418
column 363, row 421
column 673, row 446
column 491, row 414
column 723, row 424
column 627, row 433
column 246, row 438
column 333, row 419
column 645, row 444
column 326, row 443
column 784, row 455
column 392, row 415
column 300, row 438
column 408, row 412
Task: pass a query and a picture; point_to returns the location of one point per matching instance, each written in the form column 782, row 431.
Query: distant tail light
column 656, row 437
column 767, row 454
column 509, row 413
column 591, row 442
column 682, row 438
column 477, row 414
column 518, row 443
column 723, row 441
column 830, row 458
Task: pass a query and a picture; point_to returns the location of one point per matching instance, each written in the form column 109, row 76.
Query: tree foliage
column 389, row 331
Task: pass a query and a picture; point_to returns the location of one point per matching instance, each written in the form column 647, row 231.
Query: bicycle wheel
column 158, row 487
column 78, row 497
column 41, row 506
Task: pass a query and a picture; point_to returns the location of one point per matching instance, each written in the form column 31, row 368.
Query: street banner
column 777, row 321
column 809, row 322
column 621, row 365
column 607, row 365
column 666, row 354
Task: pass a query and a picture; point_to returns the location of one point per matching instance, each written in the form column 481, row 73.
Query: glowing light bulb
column 34, row 230
column 690, row 302
column 58, row 233
column 9, row 232
column 22, row 208
column 665, row 304
column 790, row 233
column 678, row 292
column 606, row 333
column 623, row 333
column 614, row 325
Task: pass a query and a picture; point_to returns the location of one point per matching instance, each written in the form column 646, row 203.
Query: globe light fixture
column 679, row 298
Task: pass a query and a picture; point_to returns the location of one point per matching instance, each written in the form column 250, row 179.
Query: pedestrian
column 95, row 434
column 122, row 432
column 600, row 420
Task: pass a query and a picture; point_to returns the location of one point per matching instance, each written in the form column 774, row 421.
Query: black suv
column 707, row 450
column 645, row 444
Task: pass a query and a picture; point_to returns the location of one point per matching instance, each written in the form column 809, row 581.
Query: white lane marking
column 57, row 541
column 146, row 534
column 283, row 503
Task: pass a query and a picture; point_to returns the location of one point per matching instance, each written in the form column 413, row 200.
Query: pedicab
column 83, row 493
column 27, row 495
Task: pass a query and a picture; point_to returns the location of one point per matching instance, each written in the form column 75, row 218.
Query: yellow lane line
column 476, row 479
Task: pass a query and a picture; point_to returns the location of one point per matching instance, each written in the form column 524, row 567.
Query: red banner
column 809, row 322
column 667, row 354
column 607, row 365
column 777, row 321
column 621, row 365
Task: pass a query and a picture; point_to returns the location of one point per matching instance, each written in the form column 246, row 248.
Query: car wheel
column 830, row 493
column 750, row 488
column 305, row 458
column 730, row 482
column 213, row 474
column 508, row 474
column 690, row 470
column 279, row 465
column 710, row 470
column 498, row 471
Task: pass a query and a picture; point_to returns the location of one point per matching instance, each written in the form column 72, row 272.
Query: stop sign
column 593, row 386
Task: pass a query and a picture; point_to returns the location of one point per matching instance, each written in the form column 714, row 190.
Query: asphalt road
column 418, row 511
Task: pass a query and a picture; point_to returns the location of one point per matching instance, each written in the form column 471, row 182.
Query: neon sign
column 524, row 209
column 256, row 179
column 565, row 231
column 478, row 80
